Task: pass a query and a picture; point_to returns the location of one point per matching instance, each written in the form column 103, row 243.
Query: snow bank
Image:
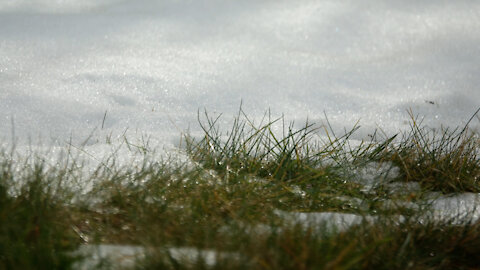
column 75, row 69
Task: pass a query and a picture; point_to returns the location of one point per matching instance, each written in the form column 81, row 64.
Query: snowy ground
column 87, row 72
column 144, row 67
column 152, row 64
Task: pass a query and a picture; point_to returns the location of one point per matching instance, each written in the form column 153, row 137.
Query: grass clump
column 35, row 230
column 443, row 160
column 233, row 200
column 446, row 160
column 248, row 149
column 383, row 245
column 292, row 164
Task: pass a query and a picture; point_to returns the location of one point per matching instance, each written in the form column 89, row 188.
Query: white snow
column 457, row 208
column 94, row 73
column 115, row 255
column 152, row 64
column 324, row 220
column 124, row 256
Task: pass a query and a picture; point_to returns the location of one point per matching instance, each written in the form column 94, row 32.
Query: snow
column 456, row 209
column 115, row 255
column 124, row 256
column 152, row 64
column 93, row 74
column 330, row 221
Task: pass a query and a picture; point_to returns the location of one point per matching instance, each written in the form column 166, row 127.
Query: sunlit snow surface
column 152, row 64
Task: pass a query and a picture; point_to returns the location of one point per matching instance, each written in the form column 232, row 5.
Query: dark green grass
column 35, row 223
column 229, row 196
column 384, row 245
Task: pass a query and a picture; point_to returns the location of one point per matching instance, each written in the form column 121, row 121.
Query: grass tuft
column 258, row 196
column 35, row 231
column 446, row 160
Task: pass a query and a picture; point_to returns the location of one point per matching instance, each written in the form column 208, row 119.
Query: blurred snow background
column 152, row 64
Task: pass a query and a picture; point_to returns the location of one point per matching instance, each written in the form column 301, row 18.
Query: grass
column 236, row 193
column 34, row 219
column 446, row 160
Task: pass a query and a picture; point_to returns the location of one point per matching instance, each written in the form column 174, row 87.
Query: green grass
column 35, row 230
column 229, row 197
column 446, row 160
